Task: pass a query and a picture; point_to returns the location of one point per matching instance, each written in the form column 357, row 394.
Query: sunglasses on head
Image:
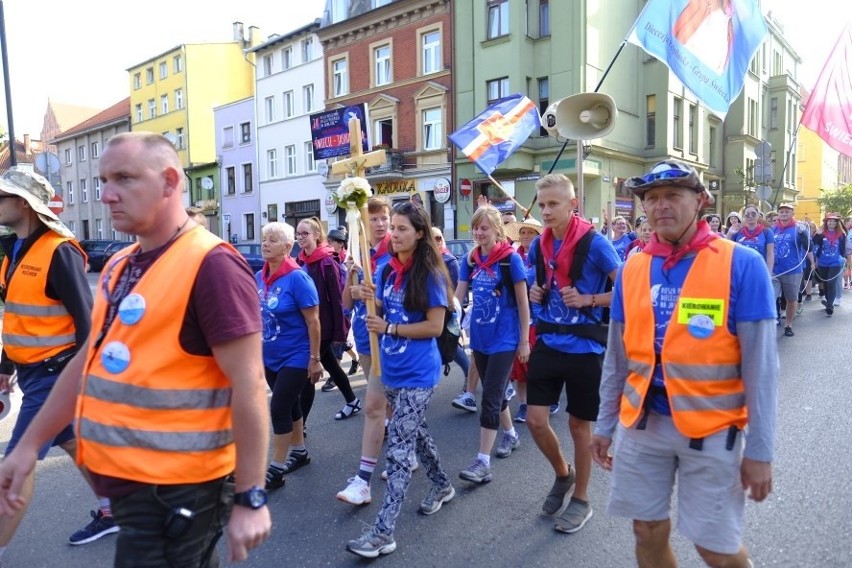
column 672, row 173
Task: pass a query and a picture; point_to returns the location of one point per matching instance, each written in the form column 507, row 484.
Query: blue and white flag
column 497, row 131
column 707, row 44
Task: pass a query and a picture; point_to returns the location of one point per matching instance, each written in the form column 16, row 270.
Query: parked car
column 96, row 250
column 460, row 248
column 251, row 252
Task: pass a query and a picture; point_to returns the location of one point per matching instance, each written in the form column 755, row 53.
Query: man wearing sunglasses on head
column 47, row 319
column 675, row 382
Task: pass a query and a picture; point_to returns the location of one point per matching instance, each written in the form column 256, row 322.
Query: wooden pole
column 506, row 193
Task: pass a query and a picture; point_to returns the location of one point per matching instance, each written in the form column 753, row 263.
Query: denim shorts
column 35, row 389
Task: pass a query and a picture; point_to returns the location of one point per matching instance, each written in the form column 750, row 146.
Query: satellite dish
column 322, row 168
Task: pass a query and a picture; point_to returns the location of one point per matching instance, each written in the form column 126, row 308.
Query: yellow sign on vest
column 691, row 307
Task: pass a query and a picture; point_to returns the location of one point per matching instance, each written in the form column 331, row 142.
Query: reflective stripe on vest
column 35, row 310
column 702, row 372
column 177, row 399
column 154, row 440
column 10, row 340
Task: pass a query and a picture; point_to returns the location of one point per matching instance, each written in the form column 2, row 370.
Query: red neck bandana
column 319, row 253
column 499, row 251
column 560, row 265
column 789, row 223
column 832, row 236
column 751, row 234
column 700, row 240
column 380, row 250
column 400, row 269
column 288, row 266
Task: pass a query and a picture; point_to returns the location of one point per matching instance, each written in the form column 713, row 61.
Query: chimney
column 254, row 36
column 27, row 148
column 238, row 32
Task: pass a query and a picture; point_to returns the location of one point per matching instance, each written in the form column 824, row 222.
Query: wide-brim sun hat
column 513, row 230
column 37, row 192
column 667, row 173
column 835, row 216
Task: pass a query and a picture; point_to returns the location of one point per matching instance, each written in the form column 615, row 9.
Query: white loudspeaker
column 584, row 116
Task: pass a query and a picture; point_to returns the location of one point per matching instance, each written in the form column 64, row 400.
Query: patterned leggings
column 407, row 433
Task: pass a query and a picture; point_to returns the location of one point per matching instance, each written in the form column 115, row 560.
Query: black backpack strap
column 540, row 273
column 506, row 280
column 386, row 270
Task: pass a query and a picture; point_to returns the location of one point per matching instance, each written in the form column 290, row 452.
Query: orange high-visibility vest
column 35, row 327
column 700, row 357
column 148, row 411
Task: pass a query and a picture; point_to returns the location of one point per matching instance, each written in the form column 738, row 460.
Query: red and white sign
column 442, row 190
column 330, row 204
column 56, row 205
column 465, row 187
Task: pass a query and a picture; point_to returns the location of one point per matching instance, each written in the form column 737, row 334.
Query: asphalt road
column 806, row 522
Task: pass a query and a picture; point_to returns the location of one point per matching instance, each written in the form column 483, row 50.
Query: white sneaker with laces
column 356, row 493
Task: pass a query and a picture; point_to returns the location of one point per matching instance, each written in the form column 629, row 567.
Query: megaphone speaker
column 584, row 116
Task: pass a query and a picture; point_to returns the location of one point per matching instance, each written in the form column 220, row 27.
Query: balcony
column 393, row 164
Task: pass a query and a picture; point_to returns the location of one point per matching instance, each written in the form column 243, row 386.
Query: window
column 245, row 132
column 164, row 104
column 498, row 18
column 139, row 112
column 752, row 117
column 248, row 180
column 711, row 160
column 753, row 66
column 178, row 99
column 383, row 132
column 177, row 64
column 69, row 192
column 693, row 129
column 152, row 108
column 149, row 75
column 773, row 113
column 776, row 63
column 382, row 57
column 137, row 81
column 67, row 156
column 249, row 221
column 651, row 121
column 432, row 129
column 677, row 128
column 340, row 77
column 497, row 89
column 84, row 191
column 99, row 228
column 96, row 184
column 431, row 52
column 271, row 163
column 749, row 177
column 310, row 163
column 95, row 152
column 543, row 100
column 763, row 57
column 231, row 177
column 308, row 98
column 543, row 18
column 269, row 105
column 164, row 70
column 72, row 225
column 228, row 137
column 287, row 57
column 290, row 159
column 307, row 49
column 289, row 104
column 267, row 65
column 179, row 143
column 81, row 153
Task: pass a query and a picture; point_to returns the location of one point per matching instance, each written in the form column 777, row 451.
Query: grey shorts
column 710, row 496
column 788, row 284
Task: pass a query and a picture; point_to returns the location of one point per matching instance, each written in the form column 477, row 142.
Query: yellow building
column 174, row 93
column 817, row 172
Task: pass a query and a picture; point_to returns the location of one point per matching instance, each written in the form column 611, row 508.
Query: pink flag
column 828, row 111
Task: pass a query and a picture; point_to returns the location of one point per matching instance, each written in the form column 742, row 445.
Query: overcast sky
column 78, row 52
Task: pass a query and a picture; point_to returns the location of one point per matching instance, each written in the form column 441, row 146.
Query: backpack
column 448, row 341
column 599, row 329
column 505, row 279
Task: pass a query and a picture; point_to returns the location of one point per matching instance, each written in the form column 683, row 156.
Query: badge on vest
column 131, row 309
column 701, row 315
column 115, row 357
column 272, row 302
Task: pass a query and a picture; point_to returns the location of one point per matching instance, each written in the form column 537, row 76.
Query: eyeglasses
column 303, row 235
column 8, row 196
column 439, row 239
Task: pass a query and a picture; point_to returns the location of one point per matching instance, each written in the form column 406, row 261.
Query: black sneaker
column 274, row 477
column 295, row 461
column 329, row 385
column 354, row 367
column 788, row 331
column 100, row 526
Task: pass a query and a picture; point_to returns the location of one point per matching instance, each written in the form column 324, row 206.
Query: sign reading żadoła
column 330, row 131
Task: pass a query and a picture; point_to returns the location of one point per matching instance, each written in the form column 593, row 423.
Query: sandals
column 349, row 410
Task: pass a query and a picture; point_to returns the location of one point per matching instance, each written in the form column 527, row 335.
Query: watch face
column 256, row 497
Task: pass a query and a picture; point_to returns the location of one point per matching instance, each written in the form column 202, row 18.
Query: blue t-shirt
column 494, row 319
column 285, row 332
column 829, row 254
column 752, row 299
column 621, row 245
column 757, row 242
column 408, row 362
column 359, row 308
column 789, row 252
column 602, row 260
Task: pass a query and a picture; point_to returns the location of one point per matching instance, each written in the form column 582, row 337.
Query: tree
column 837, row 200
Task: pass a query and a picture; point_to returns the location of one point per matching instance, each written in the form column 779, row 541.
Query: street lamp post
column 13, row 159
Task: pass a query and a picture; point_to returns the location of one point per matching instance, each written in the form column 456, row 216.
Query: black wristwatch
column 254, row 498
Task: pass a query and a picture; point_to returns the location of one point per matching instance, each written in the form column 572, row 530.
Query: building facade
column 396, row 57
column 817, row 172
column 79, row 149
column 236, row 158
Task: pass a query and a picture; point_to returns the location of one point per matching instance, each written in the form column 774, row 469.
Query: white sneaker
column 413, row 469
column 837, row 301
column 465, row 401
column 356, row 493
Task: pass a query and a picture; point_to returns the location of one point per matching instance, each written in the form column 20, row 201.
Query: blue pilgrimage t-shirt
column 285, row 332
column 602, row 260
column 752, row 299
column 359, row 308
column 408, row 362
column 494, row 317
column 829, row 253
column 621, row 245
column 757, row 242
column 789, row 253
